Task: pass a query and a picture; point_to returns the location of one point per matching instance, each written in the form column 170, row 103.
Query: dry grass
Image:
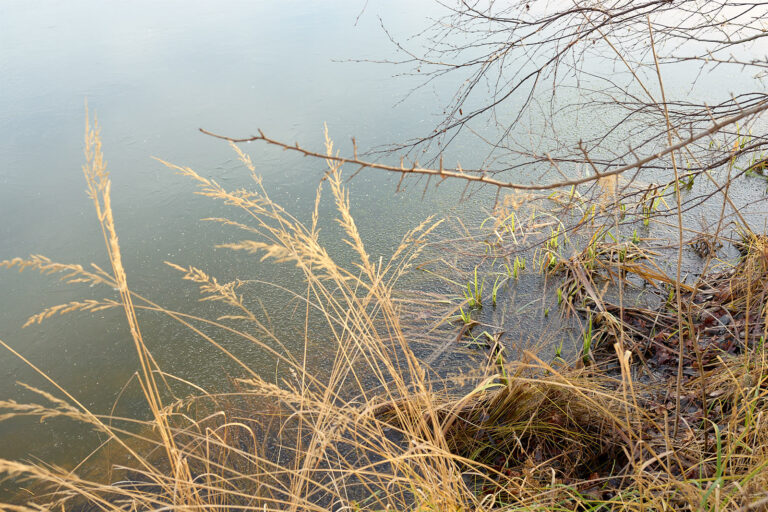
column 378, row 431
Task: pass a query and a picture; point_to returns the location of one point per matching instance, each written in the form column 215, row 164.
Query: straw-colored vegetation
column 659, row 405
column 380, row 431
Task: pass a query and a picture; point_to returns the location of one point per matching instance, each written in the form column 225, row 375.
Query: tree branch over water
column 481, row 176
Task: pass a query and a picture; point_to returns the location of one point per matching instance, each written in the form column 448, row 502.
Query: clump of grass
column 601, row 261
column 474, row 292
column 517, row 265
column 465, row 316
column 530, row 427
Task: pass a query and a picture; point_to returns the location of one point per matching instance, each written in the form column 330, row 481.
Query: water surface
column 154, row 73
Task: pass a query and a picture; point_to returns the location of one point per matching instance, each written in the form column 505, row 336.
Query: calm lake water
column 155, row 72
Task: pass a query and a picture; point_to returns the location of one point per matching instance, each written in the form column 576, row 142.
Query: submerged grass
column 379, row 431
